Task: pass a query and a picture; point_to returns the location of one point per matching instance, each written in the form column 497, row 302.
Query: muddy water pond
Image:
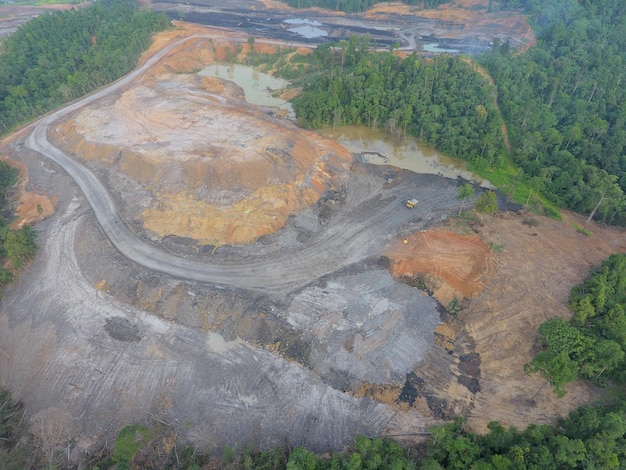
column 306, row 28
column 258, row 87
column 381, row 148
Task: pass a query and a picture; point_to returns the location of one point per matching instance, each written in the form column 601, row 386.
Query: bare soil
column 506, row 293
column 89, row 336
column 196, row 159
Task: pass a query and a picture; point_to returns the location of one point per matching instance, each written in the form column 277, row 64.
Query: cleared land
column 338, row 343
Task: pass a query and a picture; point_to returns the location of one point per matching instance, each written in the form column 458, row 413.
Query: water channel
column 366, row 144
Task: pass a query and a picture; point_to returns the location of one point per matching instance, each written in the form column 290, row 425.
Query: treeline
column 60, row 56
column 592, row 437
column 592, row 346
column 352, row 6
column 16, row 246
column 157, row 448
column 564, row 102
column 444, row 101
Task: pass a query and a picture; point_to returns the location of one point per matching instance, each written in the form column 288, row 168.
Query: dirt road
column 370, row 214
column 307, row 339
column 106, row 364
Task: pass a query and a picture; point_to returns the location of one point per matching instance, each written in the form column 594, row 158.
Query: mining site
column 205, row 263
column 464, row 26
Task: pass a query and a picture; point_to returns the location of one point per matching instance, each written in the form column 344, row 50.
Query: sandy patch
column 31, row 207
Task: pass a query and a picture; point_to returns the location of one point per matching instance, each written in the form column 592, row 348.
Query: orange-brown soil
column 30, row 207
column 507, row 291
column 214, row 169
column 510, row 277
column 459, row 263
column 531, row 282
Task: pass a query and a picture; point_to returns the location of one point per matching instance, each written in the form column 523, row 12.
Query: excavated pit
column 355, row 349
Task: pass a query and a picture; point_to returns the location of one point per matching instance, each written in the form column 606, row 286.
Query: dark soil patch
column 469, row 364
column 471, row 383
column 122, row 330
column 441, row 408
column 414, row 388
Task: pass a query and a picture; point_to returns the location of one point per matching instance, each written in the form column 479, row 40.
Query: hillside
column 93, row 339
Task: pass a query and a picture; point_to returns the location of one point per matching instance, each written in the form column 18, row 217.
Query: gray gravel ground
column 107, row 363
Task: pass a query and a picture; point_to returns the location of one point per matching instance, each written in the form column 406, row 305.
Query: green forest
column 443, row 101
column 54, row 58
column 16, row 246
column 60, row 56
column 563, row 102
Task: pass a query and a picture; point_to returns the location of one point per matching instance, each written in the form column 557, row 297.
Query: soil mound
column 456, row 265
column 207, row 166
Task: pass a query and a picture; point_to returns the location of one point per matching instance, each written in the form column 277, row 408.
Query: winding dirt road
column 369, row 216
column 76, row 350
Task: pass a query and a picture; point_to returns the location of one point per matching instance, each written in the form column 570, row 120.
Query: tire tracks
column 353, row 234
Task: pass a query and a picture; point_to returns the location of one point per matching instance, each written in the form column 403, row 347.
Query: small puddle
column 257, row 86
column 306, row 28
column 434, row 48
column 216, row 343
column 379, row 148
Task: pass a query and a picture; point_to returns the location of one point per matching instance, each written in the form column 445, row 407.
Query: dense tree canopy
column 444, row 101
column 565, row 104
column 54, row 58
column 16, row 245
column 60, row 56
column 563, row 101
column 592, row 437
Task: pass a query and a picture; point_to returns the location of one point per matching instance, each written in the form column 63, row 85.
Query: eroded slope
column 191, row 159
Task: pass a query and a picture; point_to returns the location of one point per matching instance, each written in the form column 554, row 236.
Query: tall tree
column 465, row 191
